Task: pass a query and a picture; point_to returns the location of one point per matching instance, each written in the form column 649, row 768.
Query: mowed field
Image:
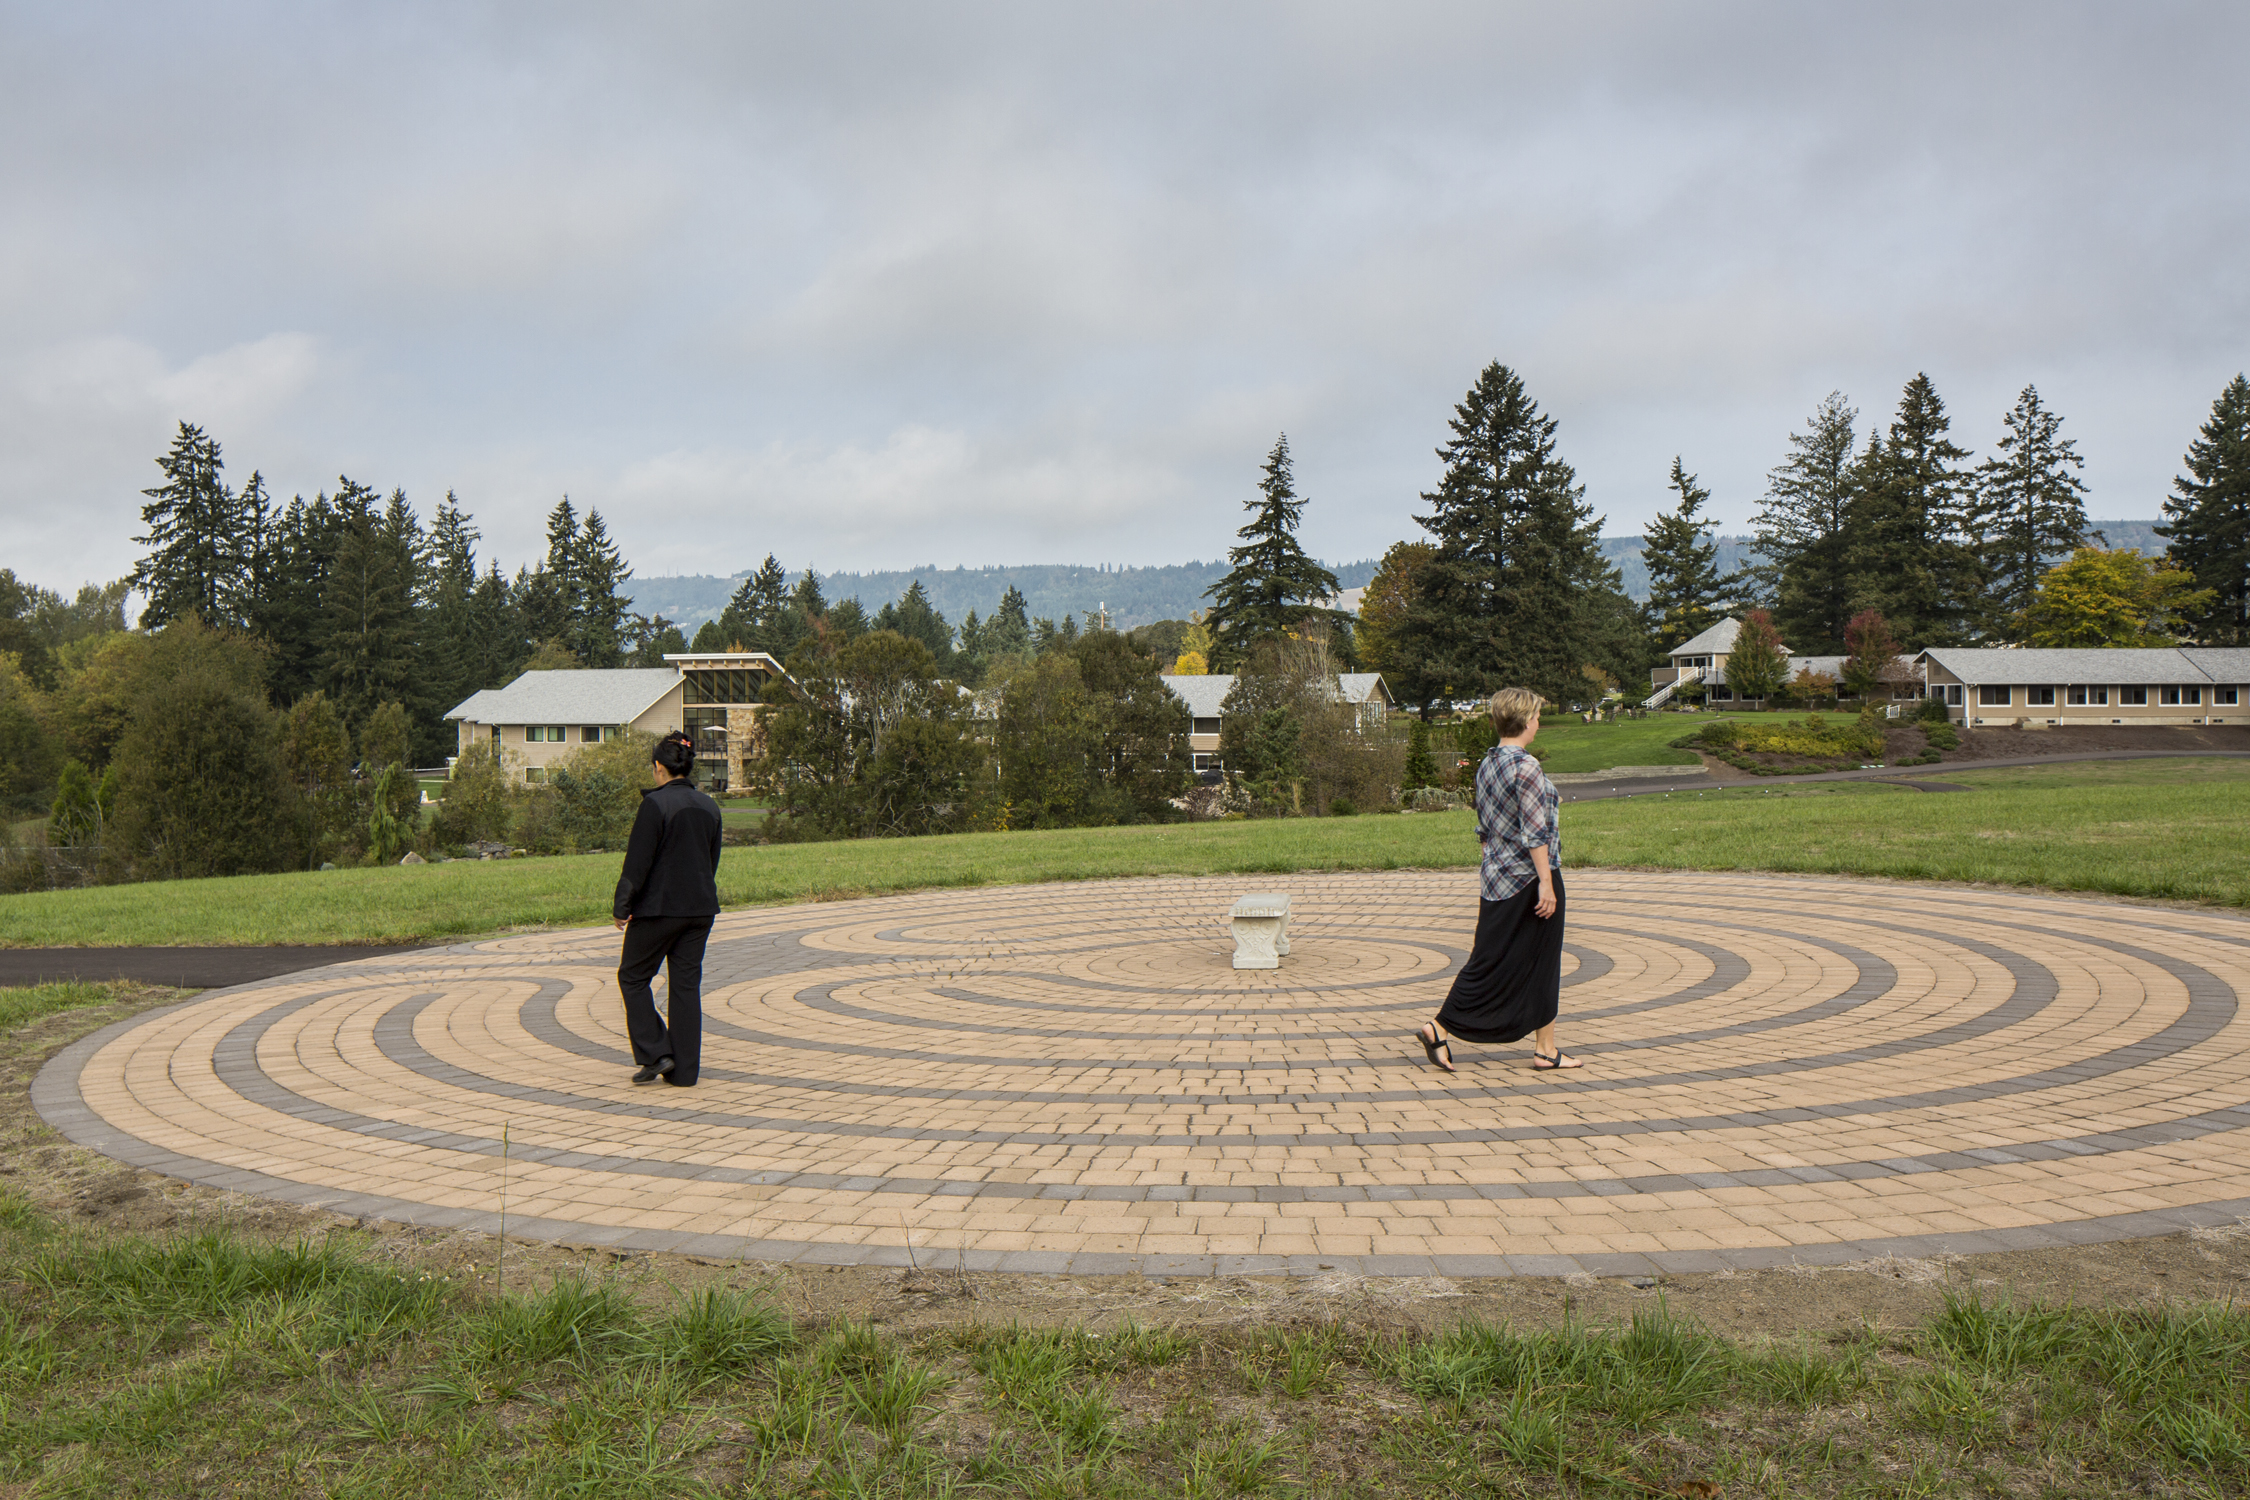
column 2171, row 828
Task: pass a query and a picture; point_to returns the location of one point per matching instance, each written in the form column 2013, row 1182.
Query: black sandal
column 1432, row 1044
column 1542, row 1063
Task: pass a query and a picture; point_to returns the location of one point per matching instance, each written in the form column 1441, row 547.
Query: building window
column 1994, row 697
column 1951, row 692
column 543, row 734
column 2039, row 697
column 495, row 736
column 2132, row 697
column 1205, row 726
column 2224, row 697
column 590, row 735
column 721, row 685
column 2176, row 697
column 708, row 728
column 2085, row 697
column 1721, row 693
column 535, row 773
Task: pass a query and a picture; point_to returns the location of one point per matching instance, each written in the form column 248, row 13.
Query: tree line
column 1900, row 537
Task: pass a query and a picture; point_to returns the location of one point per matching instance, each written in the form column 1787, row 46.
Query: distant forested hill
column 1134, row 596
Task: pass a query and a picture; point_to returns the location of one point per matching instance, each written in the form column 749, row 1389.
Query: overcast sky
column 872, row 286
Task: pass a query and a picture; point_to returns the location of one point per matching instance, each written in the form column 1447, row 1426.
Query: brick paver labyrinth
column 1075, row 1077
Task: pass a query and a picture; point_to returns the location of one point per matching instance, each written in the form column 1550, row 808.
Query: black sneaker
column 653, row 1071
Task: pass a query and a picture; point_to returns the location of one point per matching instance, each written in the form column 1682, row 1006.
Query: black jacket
column 673, row 857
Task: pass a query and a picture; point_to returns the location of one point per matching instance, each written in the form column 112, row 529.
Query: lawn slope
column 2145, row 828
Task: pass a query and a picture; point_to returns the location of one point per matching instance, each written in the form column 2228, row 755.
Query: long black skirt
column 1512, row 984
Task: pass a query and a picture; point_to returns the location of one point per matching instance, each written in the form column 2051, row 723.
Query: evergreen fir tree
column 2207, row 521
column 542, row 605
column 1518, row 592
column 562, row 557
column 2029, row 512
column 254, row 514
column 807, row 597
column 1271, row 584
column 493, row 645
column 370, row 649
column 598, row 618
column 913, row 617
column 1686, row 593
column 1908, row 555
column 1804, row 532
column 708, row 637
column 198, row 563
column 1008, row 632
column 449, row 590
column 300, row 556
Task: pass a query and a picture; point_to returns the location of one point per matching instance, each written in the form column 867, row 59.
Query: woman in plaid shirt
column 1511, row 987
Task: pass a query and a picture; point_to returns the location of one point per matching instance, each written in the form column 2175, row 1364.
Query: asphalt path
column 187, row 968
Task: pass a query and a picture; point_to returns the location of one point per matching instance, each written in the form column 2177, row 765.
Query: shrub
column 200, row 788
column 476, row 807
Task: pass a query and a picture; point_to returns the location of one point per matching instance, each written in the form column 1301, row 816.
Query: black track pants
column 676, row 943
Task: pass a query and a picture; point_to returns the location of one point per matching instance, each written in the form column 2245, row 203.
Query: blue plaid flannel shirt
column 1516, row 813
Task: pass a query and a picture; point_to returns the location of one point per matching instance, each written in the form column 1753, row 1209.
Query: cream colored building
column 543, row 717
column 1205, row 695
column 2163, row 685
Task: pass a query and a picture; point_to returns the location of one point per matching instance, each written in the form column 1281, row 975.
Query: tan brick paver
column 1075, row 1076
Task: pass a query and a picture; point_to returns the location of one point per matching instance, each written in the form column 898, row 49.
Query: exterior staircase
column 1663, row 695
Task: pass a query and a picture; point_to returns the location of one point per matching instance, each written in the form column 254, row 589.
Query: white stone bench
column 1261, row 931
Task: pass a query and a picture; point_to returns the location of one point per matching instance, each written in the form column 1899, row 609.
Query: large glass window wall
column 736, row 685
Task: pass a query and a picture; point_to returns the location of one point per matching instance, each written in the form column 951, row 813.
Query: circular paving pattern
column 1074, row 1077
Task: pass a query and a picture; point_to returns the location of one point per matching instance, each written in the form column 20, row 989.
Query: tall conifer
column 598, row 619
column 2207, row 520
column 1518, row 592
column 198, row 562
column 1686, row 591
column 1804, row 532
column 2029, row 511
column 1909, row 555
column 1271, row 584
column 370, row 654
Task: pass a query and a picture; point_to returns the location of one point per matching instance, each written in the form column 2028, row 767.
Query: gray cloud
column 876, row 285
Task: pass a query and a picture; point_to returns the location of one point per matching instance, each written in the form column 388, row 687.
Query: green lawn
column 2151, row 828
column 1564, row 744
column 206, row 1365
column 2170, row 828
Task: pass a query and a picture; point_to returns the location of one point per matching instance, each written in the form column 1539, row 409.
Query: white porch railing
column 1663, row 695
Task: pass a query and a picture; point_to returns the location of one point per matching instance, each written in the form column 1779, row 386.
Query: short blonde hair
column 1513, row 709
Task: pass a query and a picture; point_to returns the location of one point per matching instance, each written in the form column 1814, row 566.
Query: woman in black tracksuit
column 665, row 902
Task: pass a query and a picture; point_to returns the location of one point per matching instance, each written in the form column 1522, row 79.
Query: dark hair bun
column 675, row 753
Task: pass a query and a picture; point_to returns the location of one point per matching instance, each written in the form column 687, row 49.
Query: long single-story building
column 1204, row 695
column 2157, row 685
column 542, row 717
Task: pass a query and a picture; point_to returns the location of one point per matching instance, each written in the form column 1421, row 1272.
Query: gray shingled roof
column 2036, row 667
column 2227, row 664
column 1202, row 695
column 1716, row 641
column 589, row 695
